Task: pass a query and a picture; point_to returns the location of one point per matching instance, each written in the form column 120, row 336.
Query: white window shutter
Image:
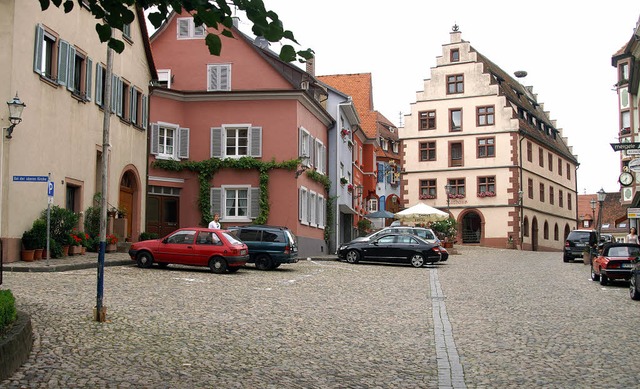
column 155, row 138
column 114, row 92
column 216, row 202
column 299, row 204
column 256, row 142
column 312, row 152
column 71, row 68
column 89, row 78
column 213, row 78
column 254, row 212
column 133, row 105
column 99, row 78
column 63, row 60
column 119, row 99
column 183, row 133
column 225, row 77
column 216, row 142
column 37, row 50
column 300, row 142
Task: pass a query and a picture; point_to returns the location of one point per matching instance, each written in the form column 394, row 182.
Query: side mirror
column 375, row 242
column 164, row 240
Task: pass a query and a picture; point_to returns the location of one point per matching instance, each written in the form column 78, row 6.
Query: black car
column 576, row 243
column 401, row 248
column 634, row 281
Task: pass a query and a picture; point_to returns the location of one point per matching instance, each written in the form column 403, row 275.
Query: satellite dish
column 520, row 73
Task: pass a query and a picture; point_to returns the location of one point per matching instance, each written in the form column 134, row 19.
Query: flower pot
column 37, row 255
column 111, row 248
column 65, row 251
column 84, row 250
column 448, row 245
column 27, row 255
column 75, row 250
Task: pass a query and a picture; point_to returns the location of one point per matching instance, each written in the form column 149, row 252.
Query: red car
column 195, row 247
column 615, row 262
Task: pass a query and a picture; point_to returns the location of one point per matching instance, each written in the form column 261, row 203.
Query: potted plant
column 29, row 242
column 39, row 229
column 343, row 181
column 446, row 231
column 112, row 241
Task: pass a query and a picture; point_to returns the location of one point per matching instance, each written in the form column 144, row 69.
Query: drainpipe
column 521, row 233
column 338, row 146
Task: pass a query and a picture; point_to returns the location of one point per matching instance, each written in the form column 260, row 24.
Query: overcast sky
column 565, row 47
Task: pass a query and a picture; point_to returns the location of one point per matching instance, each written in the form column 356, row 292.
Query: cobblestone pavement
column 487, row 318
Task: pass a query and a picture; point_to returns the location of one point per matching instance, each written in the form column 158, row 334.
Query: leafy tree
column 216, row 14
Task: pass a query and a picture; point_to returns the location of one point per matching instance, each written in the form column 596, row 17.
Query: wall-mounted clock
column 625, row 178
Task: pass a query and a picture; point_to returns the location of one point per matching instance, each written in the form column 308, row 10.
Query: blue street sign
column 50, row 189
column 30, row 178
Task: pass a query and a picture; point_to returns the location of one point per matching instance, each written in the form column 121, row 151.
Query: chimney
column 455, row 35
column 311, row 66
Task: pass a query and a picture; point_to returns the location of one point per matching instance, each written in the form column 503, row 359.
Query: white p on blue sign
column 50, row 188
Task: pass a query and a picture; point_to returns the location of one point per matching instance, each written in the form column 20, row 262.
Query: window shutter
column 63, row 59
column 114, row 92
column 183, row 152
column 312, row 151
column 99, row 78
column 145, row 111
column 155, row 138
column 37, row 51
column 119, row 99
column 324, row 159
column 255, row 203
column 72, row 69
column 183, row 28
column 216, row 142
column 256, row 142
column 225, row 77
column 216, row 202
column 299, row 204
column 88, row 79
column 213, row 78
column 133, row 105
column 300, row 142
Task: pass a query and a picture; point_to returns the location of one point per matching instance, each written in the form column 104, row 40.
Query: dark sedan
column 399, row 248
column 217, row 249
column 615, row 262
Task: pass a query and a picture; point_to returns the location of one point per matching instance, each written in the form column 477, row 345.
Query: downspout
column 521, row 233
column 338, row 145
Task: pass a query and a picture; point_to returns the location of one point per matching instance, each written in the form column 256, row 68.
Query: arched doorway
column 471, row 228
column 534, row 234
column 126, row 202
column 392, row 204
column 567, row 230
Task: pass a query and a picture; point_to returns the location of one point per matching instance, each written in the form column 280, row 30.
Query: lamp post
column 601, row 196
column 447, row 188
column 593, row 211
column 15, row 114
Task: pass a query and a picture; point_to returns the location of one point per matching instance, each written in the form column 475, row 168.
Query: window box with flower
column 427, row 197
column 343, row 181
column 350, row 188
column 344, row 132
column 456, row 196
column 487, row 194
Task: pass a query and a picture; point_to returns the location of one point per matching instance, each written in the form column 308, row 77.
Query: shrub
column 148, row 236
column 29, row 240
column 7, row 309
column 445, row 229
column 364, row 225
column 62, row 222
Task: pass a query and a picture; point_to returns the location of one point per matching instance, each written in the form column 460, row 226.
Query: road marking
column 450, row 372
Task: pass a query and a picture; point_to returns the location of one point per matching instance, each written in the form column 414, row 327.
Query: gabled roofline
column 142, row 22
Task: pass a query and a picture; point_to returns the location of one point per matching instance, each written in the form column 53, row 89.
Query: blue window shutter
column 63, row 60
column 72, row 69
column 380, row 172
column 99, row 79
column 216, row 142
column 254, row 212
column 183, row 151
column 119, row 99
column 154, row 139
column 114, row 92
column 37, row 51
column 89, row 79
column 216, row 202
column 256, row 141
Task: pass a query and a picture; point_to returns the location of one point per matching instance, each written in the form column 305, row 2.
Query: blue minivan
column 269, row 246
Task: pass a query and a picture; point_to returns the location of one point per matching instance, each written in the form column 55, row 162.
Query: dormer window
column 188, row 30
column 454, row 55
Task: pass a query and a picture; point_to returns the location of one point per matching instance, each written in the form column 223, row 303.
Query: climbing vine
column 207, row 169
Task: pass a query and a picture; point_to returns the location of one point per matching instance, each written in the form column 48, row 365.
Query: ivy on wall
column 207, row 169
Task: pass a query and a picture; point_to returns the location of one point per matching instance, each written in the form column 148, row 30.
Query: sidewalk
column 90, row 260
column 87, row 261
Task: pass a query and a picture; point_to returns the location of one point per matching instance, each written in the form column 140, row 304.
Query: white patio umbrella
column 421, row 213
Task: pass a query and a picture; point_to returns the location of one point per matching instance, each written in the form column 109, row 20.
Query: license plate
column 580, row 244
column 243, row 252
column 626, row 265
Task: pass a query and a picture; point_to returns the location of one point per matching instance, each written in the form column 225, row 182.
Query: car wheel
column 353, row 256
column 264, row 262
column 233, row 269
column 604, row 280
column 218, row 265
column 633, row 288
column 144, row 260
column 162, row 265
column 417, row 260
column 594, row 276
column 565, row 259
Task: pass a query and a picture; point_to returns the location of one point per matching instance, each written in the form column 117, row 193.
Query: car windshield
column 579, row 236
column 232, row 239
column 624, row 251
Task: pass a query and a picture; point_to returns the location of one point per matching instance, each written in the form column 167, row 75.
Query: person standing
column 215, row 223
column 633, row 236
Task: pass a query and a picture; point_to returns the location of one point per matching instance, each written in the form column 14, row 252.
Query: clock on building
column 626, row 179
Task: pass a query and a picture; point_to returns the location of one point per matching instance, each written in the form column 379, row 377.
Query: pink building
column 242, row 134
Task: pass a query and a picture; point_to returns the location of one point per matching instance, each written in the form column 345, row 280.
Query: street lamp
column 15, row 113
column 601, row 196
column 447, row 188
column 593, row 211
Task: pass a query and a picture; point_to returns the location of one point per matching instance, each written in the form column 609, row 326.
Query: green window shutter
column 37, row 51
column 183, row 143
column 256, row 142
column 88, row 79
column 63, row 61
column 145, row 110
column 254, row 212
column 216, row 142
column 154, row 139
